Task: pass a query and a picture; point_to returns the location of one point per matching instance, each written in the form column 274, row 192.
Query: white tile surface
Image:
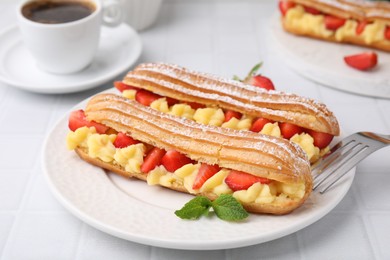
column 222, row 37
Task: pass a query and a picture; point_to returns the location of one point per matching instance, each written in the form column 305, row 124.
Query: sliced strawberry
column 258, row 125
column 237, row 180
column 311, row 10
column 195, row 105
column 171, row 101
column 284, row 5
column 262, row 82
column 229, row 114
column 122, row 140
column 362, row 61
column 333, row 22
column 78, row 119
column 152, row 159
column 289, row 130
column 146, row 97
column 174, row 160
column 360, row 27
column 119, row 85
column 387, row 32
column 205, row 172
column 321, row 140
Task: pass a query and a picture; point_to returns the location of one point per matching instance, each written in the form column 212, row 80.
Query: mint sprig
column 226, row 207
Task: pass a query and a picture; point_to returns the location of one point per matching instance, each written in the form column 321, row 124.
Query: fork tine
column 344, row 156
column 339, row 166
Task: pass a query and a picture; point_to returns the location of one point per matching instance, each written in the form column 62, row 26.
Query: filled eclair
column 365, row 23
column 265, row 174
column 211, row 100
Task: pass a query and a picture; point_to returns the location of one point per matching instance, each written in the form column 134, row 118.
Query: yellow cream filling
column 131, row 158
column 314, row 24
column 216, row 117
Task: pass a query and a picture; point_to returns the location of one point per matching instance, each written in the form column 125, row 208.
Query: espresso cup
column 61, row 46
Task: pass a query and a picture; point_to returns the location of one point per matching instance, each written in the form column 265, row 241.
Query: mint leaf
column 195, row 208
column 226, row 207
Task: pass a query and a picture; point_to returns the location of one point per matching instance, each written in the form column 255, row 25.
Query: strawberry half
column 152, row 159
column 311, row 10
column 289, row 130
column 78, row 119
column 237, row 180
column 285, row 5
column 259, row 124
column 387, row 33
column 195, row 105
column 174, row 160
column 262, row 82
column 119, row 85
column 257, row 80
column 146, row 97
column 360, row 27
column 205, row 172
column 362, row 61
column 333, row 22
column 122, row 140
column 321, row 140
column 229, row 114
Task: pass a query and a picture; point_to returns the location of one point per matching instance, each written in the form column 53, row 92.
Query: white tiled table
column 225, row 38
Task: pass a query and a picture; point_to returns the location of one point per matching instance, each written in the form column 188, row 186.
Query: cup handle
column 112, row 13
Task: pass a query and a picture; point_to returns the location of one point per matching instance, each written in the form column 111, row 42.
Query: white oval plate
column 132, row 210
column 119, row 48
column 323, row 62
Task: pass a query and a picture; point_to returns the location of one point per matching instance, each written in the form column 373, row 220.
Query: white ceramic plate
column 119, row 48
column 323, row 62
column 132, row 210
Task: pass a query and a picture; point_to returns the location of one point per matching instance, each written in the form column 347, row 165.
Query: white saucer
column 119, row 48
column 323, row 62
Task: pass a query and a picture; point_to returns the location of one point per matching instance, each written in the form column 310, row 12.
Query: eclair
column 265, row 174
column 364, row 23
column 212, row 100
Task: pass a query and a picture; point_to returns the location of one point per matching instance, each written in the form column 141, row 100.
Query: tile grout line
column 26, row 193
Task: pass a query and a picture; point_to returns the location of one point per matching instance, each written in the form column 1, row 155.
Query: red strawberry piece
column 171, row 101
column 321, row 140
column 205, row 172
column 237, row 180
column 333, row 22
column 284, row 5
column 360, row 27
column 152, row 159
column 387, row 33
column 362, row 61
column 122, row 86
column 289, row 130
column 122, row 140
column 229, row 114
column 262, row 82
column 78, row 119
column 195, row 105
column 174, row 160
column 311, row 10
column 259, row 124
column 146, row 97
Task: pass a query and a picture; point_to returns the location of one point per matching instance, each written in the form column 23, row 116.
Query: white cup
column 140, row 14
column 65, row 48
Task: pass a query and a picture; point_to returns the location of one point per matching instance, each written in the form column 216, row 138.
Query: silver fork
column 344, row 156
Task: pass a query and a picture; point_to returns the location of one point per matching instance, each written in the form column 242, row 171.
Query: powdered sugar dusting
column 123, row 111
column 256, row 101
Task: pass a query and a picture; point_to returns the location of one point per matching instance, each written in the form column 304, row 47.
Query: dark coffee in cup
column 57, row 11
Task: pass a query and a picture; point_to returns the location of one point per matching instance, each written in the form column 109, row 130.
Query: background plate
column 323, row 62
column 132, row 210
